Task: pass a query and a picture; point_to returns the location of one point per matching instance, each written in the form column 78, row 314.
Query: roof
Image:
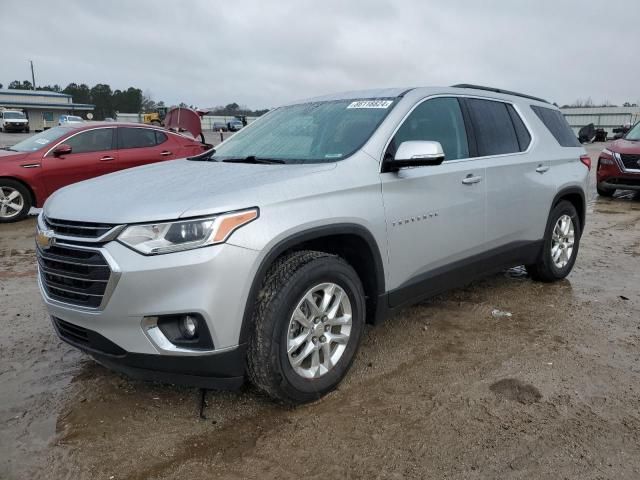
column 463, row 89
column 600, row 110
column 41, row 93
column 363, row 94
column 48, row 106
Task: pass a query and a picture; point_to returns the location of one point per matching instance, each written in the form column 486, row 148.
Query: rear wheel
column 156, row 123
column 561, row 242
column 15, row 201
column 604, row 192
column 309, row 319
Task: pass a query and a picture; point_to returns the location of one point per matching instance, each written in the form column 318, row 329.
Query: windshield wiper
column 204, row 157
column 254, row 159
column 9, row 149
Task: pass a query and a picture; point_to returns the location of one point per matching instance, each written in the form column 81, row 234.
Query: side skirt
column 459, row 274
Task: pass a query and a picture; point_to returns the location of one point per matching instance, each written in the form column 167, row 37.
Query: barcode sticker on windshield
column 370, row 104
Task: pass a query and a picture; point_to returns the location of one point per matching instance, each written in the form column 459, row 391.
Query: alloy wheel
column 11, row 202
column 562, row 241
column 319, row 330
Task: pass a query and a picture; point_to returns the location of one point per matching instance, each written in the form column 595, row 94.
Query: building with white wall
column 602, row 117
column 41, row 107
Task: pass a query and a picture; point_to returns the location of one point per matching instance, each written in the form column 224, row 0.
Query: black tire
column 27, row 130
column 605, row 192
column 544, row 269
column 285, row 284
column 26, row 200
column 156, row 123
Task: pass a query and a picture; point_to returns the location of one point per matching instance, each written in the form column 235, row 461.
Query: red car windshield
column 40, row 140
column 634, row 133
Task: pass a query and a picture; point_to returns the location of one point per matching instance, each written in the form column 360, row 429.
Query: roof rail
column 498, row 90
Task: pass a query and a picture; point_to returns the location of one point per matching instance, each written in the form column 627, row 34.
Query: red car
column 33, row 169
column 619, row 164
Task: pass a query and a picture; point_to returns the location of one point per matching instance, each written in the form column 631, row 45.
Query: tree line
column 131, row 100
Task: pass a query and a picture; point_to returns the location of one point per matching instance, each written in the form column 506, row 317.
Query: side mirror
column 63, row 149
column 416, row 153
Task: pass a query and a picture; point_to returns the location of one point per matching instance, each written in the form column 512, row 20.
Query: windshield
column 634, row 133
column 71, row 118
column 310, row 132
column 14, row 115
column 40, row 140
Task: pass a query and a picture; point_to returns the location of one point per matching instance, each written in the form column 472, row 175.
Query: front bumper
column 15, row 126
column 220, row 371
column 620, row 184
column 213, row 282
column 611, row 176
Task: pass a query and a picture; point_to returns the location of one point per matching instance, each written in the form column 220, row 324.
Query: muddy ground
column 443, row 390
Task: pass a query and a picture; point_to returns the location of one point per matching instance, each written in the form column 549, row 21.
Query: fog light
column 189, row 326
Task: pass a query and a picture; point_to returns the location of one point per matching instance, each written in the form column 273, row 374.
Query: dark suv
column 619, row 164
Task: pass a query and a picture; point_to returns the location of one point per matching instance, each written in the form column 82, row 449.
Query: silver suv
column 266, row 257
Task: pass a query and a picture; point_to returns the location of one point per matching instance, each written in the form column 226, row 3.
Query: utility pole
column 33, row 76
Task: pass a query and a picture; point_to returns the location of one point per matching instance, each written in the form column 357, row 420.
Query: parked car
column 13, row 121
column 234, row 125
column 33, row 169
column 219, row 127
column 619, row 164
column 266, row 257
column 68, row 119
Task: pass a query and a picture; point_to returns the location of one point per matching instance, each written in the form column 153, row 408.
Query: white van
column 13, row 120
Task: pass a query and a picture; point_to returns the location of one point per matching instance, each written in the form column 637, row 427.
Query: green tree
column 50, row 88
column 80, row 93
column 18, row 85
column 129, row 100
column 102, row 98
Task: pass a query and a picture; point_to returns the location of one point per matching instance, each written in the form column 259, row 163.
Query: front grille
column 72, row 275
column 78, row 229
column 630, row 161
column 85, row 338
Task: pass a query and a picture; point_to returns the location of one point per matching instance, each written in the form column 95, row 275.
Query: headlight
column 606, row 151
column 157, row 238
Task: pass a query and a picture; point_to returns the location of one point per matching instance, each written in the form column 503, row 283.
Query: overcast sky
column 262, row 54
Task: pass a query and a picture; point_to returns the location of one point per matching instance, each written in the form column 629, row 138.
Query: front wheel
column 604, row 192
column 309, row 318
column 15, row 201
column 561, row 242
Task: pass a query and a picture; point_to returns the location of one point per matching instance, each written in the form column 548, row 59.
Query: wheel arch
column 575, row 196
column 352, row 242
column 34, row 198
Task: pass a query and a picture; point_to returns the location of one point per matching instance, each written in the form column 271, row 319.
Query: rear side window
column 160, row 137
column 557, row 125
column 91, row 141
column 439, row 120
column 136, row 137
column 494, row 130
column 524, row 137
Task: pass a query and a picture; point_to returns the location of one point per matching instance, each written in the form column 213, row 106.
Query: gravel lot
column 443, row 390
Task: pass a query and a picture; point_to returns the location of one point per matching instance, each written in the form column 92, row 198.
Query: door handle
column 166, row 153
column 471, row 179
column 542, row 168
column 107, row 159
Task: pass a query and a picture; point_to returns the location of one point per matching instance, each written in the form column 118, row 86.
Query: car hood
column 9, row 156
column 625, row 146
column 180, row 189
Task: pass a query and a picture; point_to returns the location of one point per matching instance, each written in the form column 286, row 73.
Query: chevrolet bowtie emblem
column 45, row 239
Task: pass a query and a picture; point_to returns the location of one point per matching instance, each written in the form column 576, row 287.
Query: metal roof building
column 41, row 107
column 602, row 117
